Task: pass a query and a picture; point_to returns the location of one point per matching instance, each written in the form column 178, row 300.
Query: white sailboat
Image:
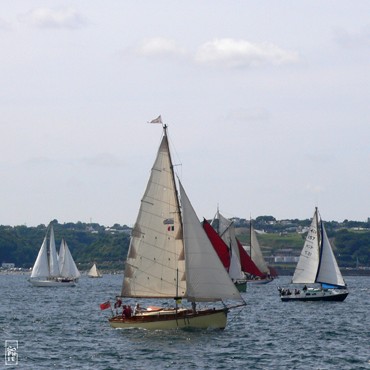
column 170, row 256
column 258, row 259
column 316, row 265
column 94, row 272
column 67, row 267
column 226, row 230
column 46, row 271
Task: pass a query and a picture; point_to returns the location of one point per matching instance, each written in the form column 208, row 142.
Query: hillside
column 107, row 246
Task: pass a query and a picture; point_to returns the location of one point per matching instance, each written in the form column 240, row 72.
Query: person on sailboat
column 137, row 309
column 127, row 311
column 117, row 304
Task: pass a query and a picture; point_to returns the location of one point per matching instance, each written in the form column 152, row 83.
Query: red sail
column 218, row 244
column 273, row 272
column 247, row 264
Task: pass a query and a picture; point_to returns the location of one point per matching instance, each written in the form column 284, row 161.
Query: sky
column 266, row 102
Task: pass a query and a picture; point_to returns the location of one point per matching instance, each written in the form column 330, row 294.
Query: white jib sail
column 256, row 253
column 41, row 266
column 308, row 262
column 329, row 272
column 61, row 255
column 69, row 268
column 227, row 233
column 206, row 277
column 53, row 257
column 155, row 265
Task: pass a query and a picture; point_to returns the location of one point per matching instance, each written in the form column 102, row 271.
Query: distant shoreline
column 281, row 272
column 344, row 271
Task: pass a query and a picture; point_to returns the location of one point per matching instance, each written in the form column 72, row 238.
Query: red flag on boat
column 105, row 305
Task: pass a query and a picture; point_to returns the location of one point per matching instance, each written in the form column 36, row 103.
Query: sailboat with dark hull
column 171, row 257
column 317, row 265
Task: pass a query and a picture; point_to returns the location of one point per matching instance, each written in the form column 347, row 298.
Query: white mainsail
column 256, row 253
column 68, row 268
column 308, row 262
column 207, row 280
column 41, row 266
column 155, row 263
column 226, row 230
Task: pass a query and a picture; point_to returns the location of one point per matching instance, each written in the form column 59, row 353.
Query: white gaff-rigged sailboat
column 316, row 265
column 170, row 256
column 46, row 270
column 94, row 272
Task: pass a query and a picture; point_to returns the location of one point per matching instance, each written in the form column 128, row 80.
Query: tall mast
column 172, row 172
column 319, row 239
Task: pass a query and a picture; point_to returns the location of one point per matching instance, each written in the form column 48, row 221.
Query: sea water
column 64, row 328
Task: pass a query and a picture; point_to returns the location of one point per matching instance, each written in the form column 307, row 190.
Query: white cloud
column 241, row 53
column 52, row 18
column 158, row 47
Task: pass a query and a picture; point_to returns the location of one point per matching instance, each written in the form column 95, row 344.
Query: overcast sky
column 267, row 104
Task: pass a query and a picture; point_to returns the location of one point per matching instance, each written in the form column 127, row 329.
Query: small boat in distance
column 226, row 230
column 316, row 265
column 264, row 275
column 51, row 270
column 171, row 257
column 94, row 272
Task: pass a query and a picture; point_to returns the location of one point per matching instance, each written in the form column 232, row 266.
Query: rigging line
column 175, row 155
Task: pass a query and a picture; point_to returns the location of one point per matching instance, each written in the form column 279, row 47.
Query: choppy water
column 64, row 328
